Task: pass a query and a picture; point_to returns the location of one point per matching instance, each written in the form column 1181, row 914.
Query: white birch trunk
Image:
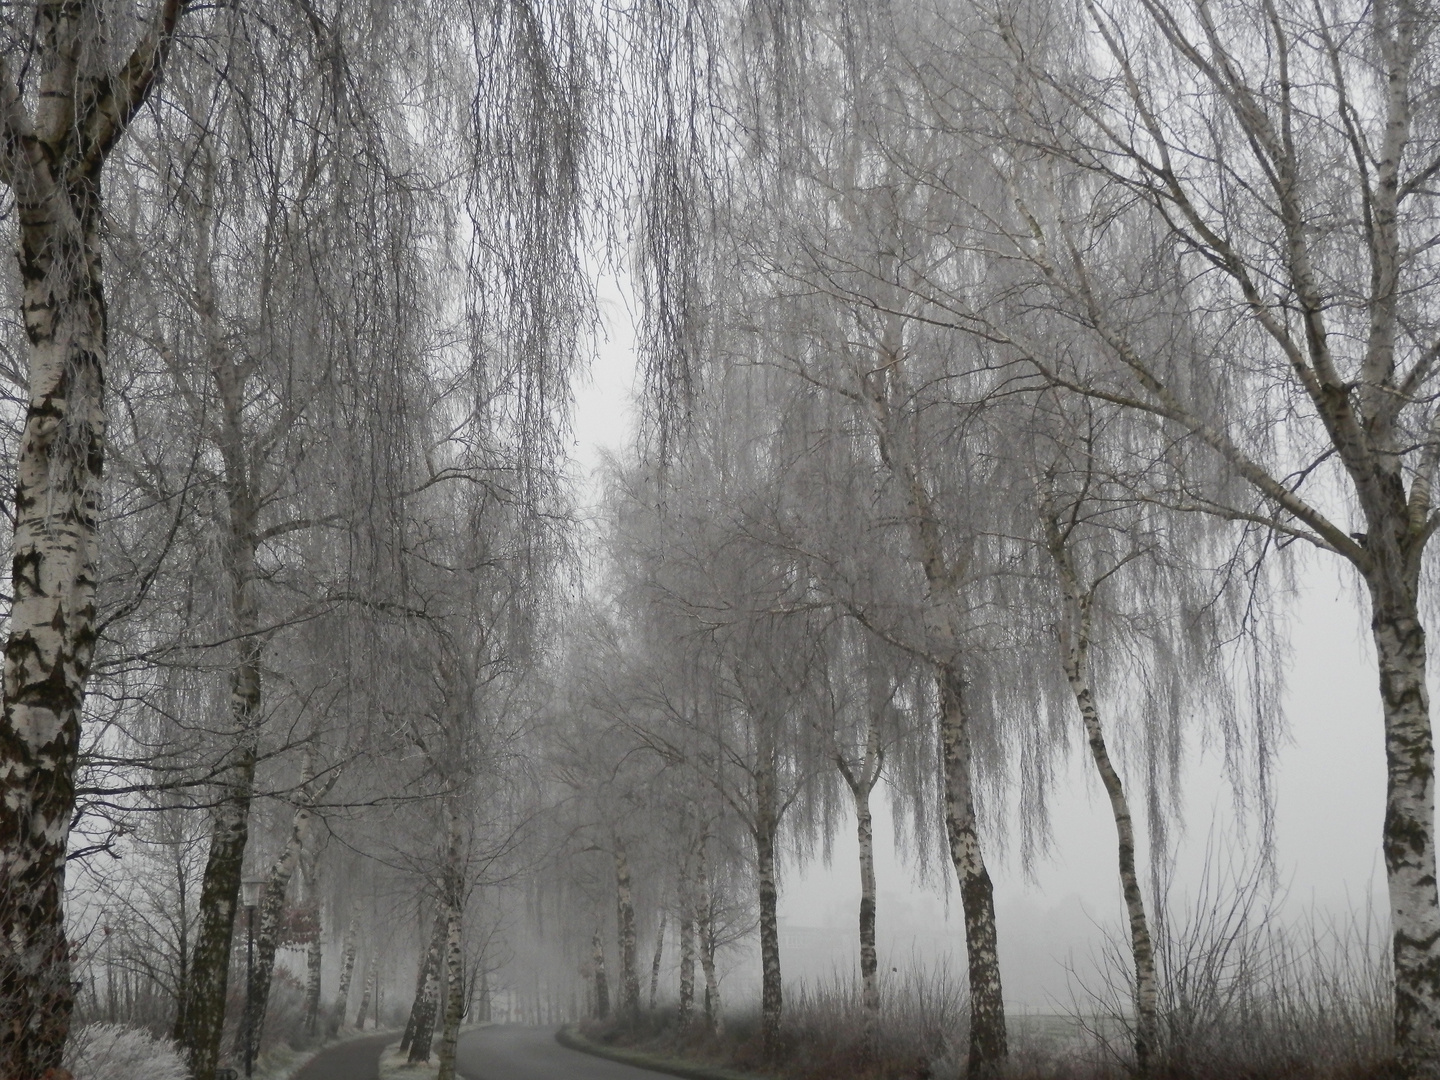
column 1409, row 831
column 272, row 902
column 201, row 1018
column 52, row 159
column 989, row 1045
column 988, row 1038
column 625, row 932
column 314, row 957
column 771, row 991
column 655, row 963
column 704, row 921
column 347, row 971
column 365, row 995
column 423, row 1011
column 200, row 1021
column 454, row 991
column 314, row 954
column 861, row 784
column 454, row 878
column 1075, row 638
column 687, row 947
column 602, row 985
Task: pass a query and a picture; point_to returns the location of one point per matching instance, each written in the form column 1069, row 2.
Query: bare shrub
column 922, row 1029
column 285, row 1014
column 1243, row 993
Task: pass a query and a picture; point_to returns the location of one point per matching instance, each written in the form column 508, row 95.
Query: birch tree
column 743, row 607
column 261, row 377
column 835, row 241
column 1132, row 609
column 1271, row 166
column 272, row 900
column 66, row 103
column 865, row 711
column 952, row 555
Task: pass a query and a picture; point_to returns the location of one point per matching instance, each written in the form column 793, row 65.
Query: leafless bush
column 921, row 1029
column 1244, row 992
column 285, row 1014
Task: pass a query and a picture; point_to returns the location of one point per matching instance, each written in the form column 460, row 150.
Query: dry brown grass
column 1245, row 997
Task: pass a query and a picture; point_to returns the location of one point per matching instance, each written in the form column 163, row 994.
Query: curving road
column 503, row 1052
column 512, row 1052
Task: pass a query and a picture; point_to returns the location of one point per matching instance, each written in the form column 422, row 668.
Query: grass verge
column 394, row 1065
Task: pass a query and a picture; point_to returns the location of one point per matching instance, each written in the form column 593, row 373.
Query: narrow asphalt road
column 358, row 1059
column 511, row 1052
column 503, row 1052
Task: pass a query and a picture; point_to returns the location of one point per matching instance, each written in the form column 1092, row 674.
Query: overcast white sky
column 1330, row 786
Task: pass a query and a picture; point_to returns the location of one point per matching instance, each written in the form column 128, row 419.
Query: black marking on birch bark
column 602, row 986
column 199, row 1024
column 625, row 932
column 1409, row 818
column 989, row 1044
column 771, row 989
column 687, row 965
column 427, row 1000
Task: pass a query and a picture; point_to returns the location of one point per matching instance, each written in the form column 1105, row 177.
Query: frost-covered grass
column 283, row 1062
column 824, row 1032
column 395, row 1066
column 116, row 1052
column 1242, row 996
column 102, row 1051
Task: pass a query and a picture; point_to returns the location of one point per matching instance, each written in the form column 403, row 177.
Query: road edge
column 571, row 1039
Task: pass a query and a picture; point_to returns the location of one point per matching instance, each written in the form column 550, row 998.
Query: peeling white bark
column 52, row 161
column 1075, row 640
column 1410, row 830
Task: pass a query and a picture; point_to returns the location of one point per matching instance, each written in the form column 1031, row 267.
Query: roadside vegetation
column 999, row 369
column 1242, row 996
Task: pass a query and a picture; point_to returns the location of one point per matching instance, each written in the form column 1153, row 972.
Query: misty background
column 1054, row 916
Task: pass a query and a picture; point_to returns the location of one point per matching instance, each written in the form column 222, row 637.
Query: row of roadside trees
column 996, row 357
